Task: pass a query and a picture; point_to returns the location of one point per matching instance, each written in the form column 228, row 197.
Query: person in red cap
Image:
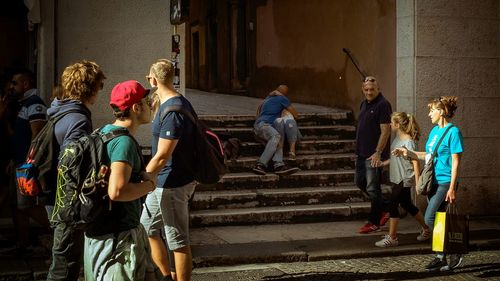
column 118, row 249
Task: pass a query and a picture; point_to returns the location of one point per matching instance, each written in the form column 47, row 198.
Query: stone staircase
column 322, row 191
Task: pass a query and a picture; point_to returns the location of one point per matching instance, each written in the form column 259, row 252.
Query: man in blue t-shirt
column 373, row 133
column 270, row 129
column 173, row 158
column 30, row 120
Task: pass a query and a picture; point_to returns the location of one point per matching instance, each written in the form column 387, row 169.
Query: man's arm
column 119, row 187
column 36, row 127
column 293, row 111
column 165, row 149
column 385, row 134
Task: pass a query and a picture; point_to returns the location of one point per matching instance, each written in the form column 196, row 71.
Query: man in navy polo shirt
column 374, row 131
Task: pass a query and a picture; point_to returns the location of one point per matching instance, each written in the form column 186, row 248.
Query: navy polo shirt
column 372, row 114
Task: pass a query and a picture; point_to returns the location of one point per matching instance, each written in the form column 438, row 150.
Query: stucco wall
column 123, row 36
column 457, row 52
column 300, row 43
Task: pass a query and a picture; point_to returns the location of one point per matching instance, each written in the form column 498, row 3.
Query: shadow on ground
column 485, row 271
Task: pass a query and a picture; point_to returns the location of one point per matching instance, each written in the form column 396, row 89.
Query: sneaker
column 384, row 218
column 369, row 227
column 436, row 264
column 387, row 242
column 424, row 235
column 284, row 170
column 259, row 169
column 292, row 156
column 455, row 261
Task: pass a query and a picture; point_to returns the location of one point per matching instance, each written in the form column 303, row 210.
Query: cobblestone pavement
column 476, row 266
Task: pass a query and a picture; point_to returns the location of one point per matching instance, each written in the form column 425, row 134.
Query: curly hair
column 82, row 80
column 163, row 70
column 407, row 123
column 446, row 103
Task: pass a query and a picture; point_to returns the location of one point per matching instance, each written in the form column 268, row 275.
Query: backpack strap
column 107, row 137
column 440, row 140
column 180, row 109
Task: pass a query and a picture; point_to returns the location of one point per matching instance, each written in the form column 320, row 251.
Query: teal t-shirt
column 452, row 144
column 123, row 215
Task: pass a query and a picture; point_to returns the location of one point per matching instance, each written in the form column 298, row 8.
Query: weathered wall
column 124, row 37
column 300, row 43
column 457, row 52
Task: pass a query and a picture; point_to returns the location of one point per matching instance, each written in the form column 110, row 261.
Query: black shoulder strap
column 123, row 132
column 440, row 140
column 177, row 108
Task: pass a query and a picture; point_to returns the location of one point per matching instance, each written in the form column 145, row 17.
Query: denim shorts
column 167, row 208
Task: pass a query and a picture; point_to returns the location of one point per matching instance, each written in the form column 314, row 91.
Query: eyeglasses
column 149, row 78
column 369, row 80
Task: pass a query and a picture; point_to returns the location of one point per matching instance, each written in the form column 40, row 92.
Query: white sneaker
column 424, row 235
column 387, row 242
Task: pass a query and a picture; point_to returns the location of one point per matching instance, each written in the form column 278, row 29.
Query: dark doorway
column 14, row 50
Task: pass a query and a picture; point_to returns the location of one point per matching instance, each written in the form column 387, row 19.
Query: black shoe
column 455, row 261
column 436, row 264
column 284, row 170
column 259, row 169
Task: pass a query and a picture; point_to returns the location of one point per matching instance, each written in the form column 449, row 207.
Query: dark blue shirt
column 372, row 114
column 175, row 126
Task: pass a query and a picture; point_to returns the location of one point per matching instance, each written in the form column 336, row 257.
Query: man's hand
column 145, row 176
column 375, row 160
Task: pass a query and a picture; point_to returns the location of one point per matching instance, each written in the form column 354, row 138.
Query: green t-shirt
column 123, row 215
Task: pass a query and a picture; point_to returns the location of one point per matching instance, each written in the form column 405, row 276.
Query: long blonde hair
column 407, row 123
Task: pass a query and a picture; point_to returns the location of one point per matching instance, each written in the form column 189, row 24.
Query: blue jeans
column 368, row 180
column 436, row 203
column 274, row 142
column 288, row 128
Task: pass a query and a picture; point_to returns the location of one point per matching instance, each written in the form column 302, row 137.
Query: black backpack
column 208, row 151
column 82, row 179
column 36, row 175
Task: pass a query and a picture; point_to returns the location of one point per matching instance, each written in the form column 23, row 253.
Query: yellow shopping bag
column 451, row 232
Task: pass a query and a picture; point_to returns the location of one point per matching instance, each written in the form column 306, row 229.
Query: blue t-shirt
column 271, row 108
column 175, row 126
column 451, row 144
column 32, row 109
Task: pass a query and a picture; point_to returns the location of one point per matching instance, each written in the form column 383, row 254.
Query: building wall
column 300, row 43
column 455, row 50
column 123, row 37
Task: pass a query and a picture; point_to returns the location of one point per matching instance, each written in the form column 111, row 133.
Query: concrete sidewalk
column 216, row 246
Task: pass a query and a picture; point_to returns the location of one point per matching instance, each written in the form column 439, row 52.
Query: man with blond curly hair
column 80, row 84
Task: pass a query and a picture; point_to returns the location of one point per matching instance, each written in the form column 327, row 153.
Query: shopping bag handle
column 452, row 208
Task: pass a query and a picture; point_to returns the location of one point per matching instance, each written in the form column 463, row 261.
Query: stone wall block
column 481, row 118
column 437, row 36
column 478, row 195
column 405, row 76
column 405, row 37
column 405, row 8
column 462, row 8
column 479, row 77
column 481, row 157
column 436, row 76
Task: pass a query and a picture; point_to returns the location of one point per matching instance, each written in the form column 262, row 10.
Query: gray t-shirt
column 400, row 168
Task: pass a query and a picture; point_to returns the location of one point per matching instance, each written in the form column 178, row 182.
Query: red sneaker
column 369, row 227
column 384, row 218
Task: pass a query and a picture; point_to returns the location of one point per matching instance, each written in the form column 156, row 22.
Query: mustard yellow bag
column 451, row 232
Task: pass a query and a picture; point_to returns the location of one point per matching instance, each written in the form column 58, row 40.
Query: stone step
column 305, row 147
column 247, row 180
column 253, row 198
column 304, row 162
column 281, row 214
column 336, row 117
column 245, row 134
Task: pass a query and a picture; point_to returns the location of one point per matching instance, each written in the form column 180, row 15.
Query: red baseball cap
column 126, row 94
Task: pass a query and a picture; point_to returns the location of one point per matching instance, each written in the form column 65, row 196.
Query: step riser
column 257, row 182
column 308, row 133
column 253, row 200
column 308, row 216
column 304, row 164
column 306, row 120
column 303, row 148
